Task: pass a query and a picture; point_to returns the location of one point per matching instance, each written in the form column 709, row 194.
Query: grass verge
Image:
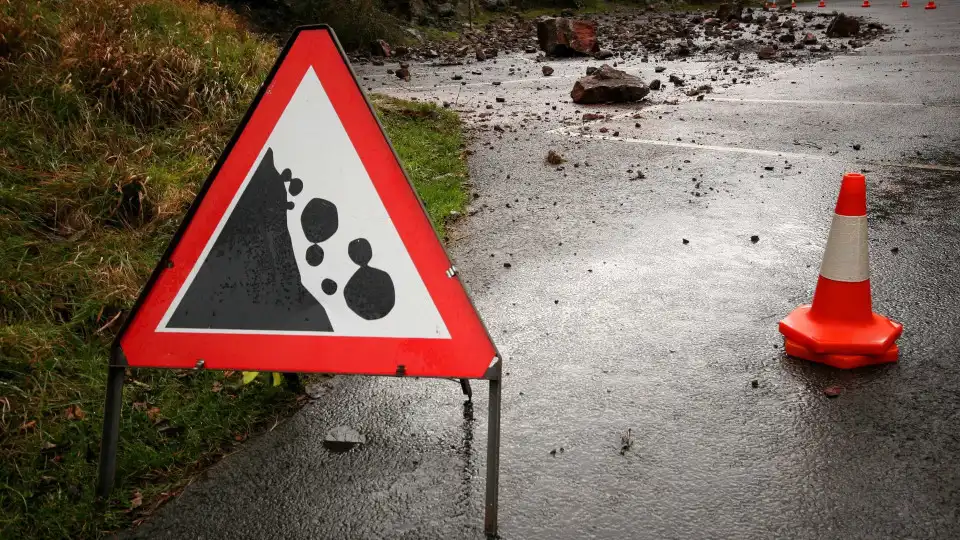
column 114, row 111
column 430, row 143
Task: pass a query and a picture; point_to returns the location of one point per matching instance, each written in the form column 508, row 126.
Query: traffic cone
column 840, row 329
column 866, row 3
column 822, row 4
column 931, row 5
column 904, row 4
column 793, row 5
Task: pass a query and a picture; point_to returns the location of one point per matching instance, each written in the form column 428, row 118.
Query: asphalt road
column 609, row 322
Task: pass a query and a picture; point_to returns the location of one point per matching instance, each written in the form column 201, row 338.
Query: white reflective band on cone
column 847, row 258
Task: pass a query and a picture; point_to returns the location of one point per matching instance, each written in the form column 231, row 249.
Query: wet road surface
column 609, row 322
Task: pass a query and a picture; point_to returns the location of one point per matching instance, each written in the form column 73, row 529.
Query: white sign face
column 347, row 252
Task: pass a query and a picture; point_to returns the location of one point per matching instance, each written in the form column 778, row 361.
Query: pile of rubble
column 729, row 31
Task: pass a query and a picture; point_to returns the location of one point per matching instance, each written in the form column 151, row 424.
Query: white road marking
column 817, row 102
column 754, row 151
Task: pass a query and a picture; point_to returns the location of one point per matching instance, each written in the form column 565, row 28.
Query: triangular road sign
column 307, row 248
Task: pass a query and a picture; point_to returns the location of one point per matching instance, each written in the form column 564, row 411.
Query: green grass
column 433, row 34
column 430, row 143
column 114, row 112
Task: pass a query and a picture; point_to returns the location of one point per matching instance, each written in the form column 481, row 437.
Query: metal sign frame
column 118, row 364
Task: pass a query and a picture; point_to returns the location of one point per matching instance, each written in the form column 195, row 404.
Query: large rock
column 559, row 36
column 446, row 10
column 843, row 26
column 380, row 48
column 731, row 11
column 608, row 85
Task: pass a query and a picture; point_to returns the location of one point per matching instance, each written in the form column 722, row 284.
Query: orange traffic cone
column 822, row 4
column 931, row 5
column 866, row 3
column 904, row 4
column 840, row 329
column 793, row 5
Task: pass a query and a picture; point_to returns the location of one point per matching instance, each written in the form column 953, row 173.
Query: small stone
column 856, row 147
column 553, row 158
column 547, row 71
column 655, row 84
column 659, row 69
column 685, row 241
column 832, row 391
column 895, row 250
column 754, row 239
column 501, row 100
column 342, row 438
column 507, row 265
column 755, row 383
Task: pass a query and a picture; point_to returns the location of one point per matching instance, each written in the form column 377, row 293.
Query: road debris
column 342, row 439
column 559, row 36
column 608, row 85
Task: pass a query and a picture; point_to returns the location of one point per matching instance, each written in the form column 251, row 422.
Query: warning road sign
column 307, row 248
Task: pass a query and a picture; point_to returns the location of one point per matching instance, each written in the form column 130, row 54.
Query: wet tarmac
column 609, row 322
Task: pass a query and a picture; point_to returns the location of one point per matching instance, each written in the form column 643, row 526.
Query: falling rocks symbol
column 249, row 279
column 369, row 292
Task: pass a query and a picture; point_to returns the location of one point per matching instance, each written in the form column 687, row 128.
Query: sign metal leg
column 465, row 387
column 111, row 431
column 493, row 461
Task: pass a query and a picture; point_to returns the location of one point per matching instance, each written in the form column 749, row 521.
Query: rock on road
column 610, row 322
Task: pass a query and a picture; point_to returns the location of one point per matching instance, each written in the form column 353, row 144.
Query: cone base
column 873, row 337
column 841, row 361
